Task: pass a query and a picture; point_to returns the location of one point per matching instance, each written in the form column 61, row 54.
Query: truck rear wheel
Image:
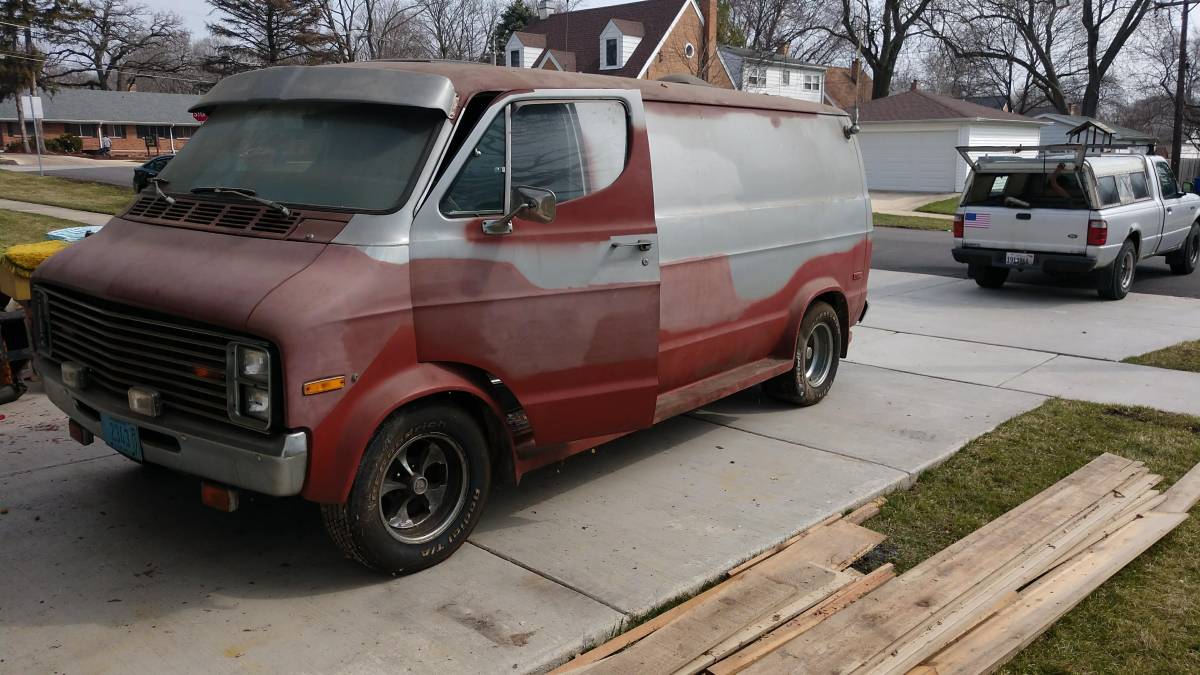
column 1117, row 278
column 1184, row 260
column 987, row 276
column 420, row 489
column 818, row 352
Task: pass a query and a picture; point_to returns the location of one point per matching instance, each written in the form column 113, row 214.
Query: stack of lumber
column 967, row 609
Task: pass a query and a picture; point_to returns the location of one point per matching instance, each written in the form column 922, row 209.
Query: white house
column 908, row 140
column 775, row 74
column 523, row 49
column 1060, row 126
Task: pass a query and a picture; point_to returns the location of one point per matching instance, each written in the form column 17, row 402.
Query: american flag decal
column 978, row 220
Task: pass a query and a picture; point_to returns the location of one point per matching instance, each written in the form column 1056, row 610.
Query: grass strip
column 70, row 194
column 945, row 206
column 1183, row 356
column 909, row 222
column 17, row 227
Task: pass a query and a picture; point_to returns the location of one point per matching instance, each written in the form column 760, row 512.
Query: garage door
column 910, row 161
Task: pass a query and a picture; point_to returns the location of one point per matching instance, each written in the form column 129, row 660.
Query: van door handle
column 640, row 244
column 1169, row 209
column 1024, row 216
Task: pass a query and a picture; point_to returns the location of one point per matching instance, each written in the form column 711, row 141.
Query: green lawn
column 24, row 228
column 1183, row 356
column 71, row 194
column 944, row 207
column 1146, row 619
column 910, row 222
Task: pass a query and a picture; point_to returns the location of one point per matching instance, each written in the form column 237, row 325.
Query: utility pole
column 1180, row 82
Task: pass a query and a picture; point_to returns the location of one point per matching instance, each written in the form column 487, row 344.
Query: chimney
column 855, row 69
column 913, row 86
column 782, row 50
column 1073, row 109
column 710, row 33
column 544, row 9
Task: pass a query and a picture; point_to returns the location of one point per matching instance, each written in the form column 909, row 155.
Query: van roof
column 427, row 83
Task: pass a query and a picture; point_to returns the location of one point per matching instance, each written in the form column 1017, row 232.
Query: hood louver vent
column 219, row 216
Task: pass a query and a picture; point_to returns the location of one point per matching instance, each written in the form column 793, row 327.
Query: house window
column 184, row 131
column 689, row 50
column 81, row 130
column 115, row 130
column 514, row 58
column 756, row 76
column 610, row 52
column 812, row 83
column 785, row 77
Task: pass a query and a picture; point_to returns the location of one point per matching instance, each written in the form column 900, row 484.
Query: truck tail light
column 958, row 226
column 1097, row 232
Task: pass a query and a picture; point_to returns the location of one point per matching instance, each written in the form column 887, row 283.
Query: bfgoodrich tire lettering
column 818, row 352
column 362, row 528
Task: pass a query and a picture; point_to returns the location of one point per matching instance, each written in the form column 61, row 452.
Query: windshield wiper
column 245, row 194
column 158, row 183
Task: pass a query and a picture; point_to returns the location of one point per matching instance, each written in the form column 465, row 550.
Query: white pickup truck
column 1067, row 211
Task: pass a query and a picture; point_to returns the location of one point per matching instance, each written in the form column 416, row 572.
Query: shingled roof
column 128, row 107
column 579, row 31
column 918, row 106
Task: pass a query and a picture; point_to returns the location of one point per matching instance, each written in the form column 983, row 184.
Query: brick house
column 648, row 40
column 127, row 117
column 841, row 85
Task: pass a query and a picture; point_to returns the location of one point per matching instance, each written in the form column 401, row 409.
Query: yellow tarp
column 18, row 263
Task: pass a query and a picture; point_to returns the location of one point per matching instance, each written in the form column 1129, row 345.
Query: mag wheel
column 818, row 352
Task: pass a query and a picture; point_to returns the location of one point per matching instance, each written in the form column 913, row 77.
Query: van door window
column 1166, row 179
column 573, row 149
column 479, row 187
column 1137, row 181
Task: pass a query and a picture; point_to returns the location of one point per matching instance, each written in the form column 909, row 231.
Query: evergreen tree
column 727, row 32
column 515, row 16
column 258, row 33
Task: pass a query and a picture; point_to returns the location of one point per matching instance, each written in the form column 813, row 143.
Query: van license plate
column 1018, row 258
column 121, row 436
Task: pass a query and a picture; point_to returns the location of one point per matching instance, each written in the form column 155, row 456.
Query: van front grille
column 218, row 216
column 123, row 346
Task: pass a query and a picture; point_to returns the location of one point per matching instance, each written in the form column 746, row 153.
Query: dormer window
column 514, row 58
column 618, row 41
column 610, row 53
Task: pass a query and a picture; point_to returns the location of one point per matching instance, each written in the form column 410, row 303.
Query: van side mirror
column 531, row 203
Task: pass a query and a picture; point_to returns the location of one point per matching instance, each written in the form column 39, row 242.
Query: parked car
column 384, row 286
column 1068, row 211
column 143, row 173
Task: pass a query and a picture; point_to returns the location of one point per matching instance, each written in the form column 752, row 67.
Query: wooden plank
column 994, row 642
column 1144, row 504
column 788, row 631
column 1184, row 494
column 847, row 639
column 764, row 588
column 973, row 606
column 866, row 511
column 767, row 622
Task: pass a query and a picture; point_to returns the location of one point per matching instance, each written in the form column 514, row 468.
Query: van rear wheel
column 988, row 276
column 818, row 352
column 1117, row 278
column 1185, row 259
column 420, row 489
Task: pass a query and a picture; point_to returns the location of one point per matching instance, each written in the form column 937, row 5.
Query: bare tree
column 458, row 29
column 768, row 24
column 880, row 30
column 113, row 37
column 1108, row 25
column 392, row 30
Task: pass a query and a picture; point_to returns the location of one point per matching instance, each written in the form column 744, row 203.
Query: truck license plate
column 1018, row 258
column 121, row 436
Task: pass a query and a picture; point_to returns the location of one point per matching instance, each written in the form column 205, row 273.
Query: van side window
column 1107, row 186
column 479, row 187
column 1141, row 189
column 1166, row 179
column 573, row 149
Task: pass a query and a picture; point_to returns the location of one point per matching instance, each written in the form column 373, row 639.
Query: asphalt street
column 116, row 175
column 927, row 252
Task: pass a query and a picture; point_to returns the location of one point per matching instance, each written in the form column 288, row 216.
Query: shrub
column 67, row 143
column 14, row 146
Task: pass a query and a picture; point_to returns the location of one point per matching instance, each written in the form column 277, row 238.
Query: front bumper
column 1047, row 262
column 273, row 465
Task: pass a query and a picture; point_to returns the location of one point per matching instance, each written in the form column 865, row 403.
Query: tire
column 397, row 526
column 818, row 352
column 1185, row 259
column 1117, row 278
column 987, row 276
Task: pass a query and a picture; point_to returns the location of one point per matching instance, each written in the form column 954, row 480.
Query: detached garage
column 908, row 139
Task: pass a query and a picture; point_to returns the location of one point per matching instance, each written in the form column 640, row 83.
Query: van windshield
column 1053, row 190
column 335, row 155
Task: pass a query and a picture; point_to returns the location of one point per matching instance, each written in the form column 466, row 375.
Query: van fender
column 338, row 444
column 805, row 296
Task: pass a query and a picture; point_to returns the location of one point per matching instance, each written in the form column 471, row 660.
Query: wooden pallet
column 967, row 609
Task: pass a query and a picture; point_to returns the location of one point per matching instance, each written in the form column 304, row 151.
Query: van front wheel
column 1185, row 259
column 818, row 352
column 1117, row 278
column 420, row 489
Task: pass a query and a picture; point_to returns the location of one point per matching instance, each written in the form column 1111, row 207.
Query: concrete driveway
column 112, row 567
column 907, row 203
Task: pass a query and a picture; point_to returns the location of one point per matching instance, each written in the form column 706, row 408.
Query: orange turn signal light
column 323, row 385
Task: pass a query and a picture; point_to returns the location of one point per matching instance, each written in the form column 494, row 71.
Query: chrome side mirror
column 531, row 203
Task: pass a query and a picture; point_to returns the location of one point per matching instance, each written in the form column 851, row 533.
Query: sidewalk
column 906, row 203
column 85, row 217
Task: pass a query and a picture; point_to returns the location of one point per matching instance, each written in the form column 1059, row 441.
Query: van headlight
column 250, row 385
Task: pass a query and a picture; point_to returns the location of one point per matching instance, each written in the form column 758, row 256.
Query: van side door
column 564, row 313
column 1179, row 209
